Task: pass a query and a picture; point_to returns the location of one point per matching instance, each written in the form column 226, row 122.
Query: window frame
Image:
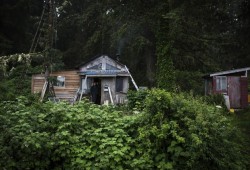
column 121, row 86
column 56, row 81
column 221, row 83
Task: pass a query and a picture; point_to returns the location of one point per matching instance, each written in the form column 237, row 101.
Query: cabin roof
column 228, row 72
column 103, row 66
column 95, row 57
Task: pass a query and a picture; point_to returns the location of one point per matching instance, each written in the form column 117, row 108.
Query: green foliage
column 215, row 99
column 242, row 119
column 16, row 70
column 182, row 132
column 165, row 73
column 190, row 81
column 15, row 85
column 173, row 131
column 136, row 99
column 57, row 136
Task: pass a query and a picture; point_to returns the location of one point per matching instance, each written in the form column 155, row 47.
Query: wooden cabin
column 233, row 84
column 110, row 76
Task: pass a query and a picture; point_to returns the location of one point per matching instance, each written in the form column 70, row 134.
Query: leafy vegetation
column 173, row 131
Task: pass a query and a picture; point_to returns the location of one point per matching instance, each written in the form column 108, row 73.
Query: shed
column 233, row 84
column 111, row 79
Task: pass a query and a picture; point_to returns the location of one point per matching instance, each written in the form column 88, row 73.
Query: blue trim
column 102, row 72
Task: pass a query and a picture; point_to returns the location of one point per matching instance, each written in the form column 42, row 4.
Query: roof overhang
column 222, row 73
column 103, row 73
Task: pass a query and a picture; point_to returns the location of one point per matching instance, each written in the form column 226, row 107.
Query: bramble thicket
column 163, row 131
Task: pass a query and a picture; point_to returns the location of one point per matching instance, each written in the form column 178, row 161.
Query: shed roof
column 95, row 57
column 103, row 66
column 227, row 72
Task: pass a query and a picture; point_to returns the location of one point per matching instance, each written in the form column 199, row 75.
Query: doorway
column 95, row 91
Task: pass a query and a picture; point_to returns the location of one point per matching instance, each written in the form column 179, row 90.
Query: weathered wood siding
column 244, row 92
column 110, row 82
column 37, row 83
column 104, row 60
column 72, row 83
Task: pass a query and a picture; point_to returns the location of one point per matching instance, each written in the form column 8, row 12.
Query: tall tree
column 17, row 18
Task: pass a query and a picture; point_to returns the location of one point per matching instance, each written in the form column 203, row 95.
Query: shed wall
column 110, row 82
column 72, row 83
column 38, row 81
column 244, row 92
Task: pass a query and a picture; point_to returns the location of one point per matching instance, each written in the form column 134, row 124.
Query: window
column 221, row 83
column 59, row 81
column 119, row 84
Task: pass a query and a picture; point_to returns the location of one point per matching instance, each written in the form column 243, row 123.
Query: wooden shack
column 111, row 76
column 233, row 84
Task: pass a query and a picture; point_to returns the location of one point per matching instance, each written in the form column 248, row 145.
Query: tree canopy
column 149, row 36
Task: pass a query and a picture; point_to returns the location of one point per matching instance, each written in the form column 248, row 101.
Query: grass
column 242, row 119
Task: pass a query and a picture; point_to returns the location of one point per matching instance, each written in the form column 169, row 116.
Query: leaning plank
column 44, row 90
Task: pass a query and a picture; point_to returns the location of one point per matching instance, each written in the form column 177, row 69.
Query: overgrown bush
column 181, row 132
column 62, row 136
column 215, row 99
column 172, row 131
column 136, row 99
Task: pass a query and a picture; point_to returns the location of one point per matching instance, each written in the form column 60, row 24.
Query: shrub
column 172, row 131
column 215, row 99
column 181, row 132
column 136, row 99
column 62, row 136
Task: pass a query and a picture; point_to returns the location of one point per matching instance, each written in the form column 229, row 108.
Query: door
column 86, row 84
column 234, row 91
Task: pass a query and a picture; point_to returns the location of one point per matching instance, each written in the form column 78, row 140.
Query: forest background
column 169, row 44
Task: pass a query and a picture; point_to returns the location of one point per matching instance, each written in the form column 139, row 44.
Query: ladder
column 80, row 91
column 51, row 89
column 133, row 81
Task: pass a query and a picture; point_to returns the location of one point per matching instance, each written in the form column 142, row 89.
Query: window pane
column 223, row 83
column 217, row 83
column 59, row 81
column 119, row 84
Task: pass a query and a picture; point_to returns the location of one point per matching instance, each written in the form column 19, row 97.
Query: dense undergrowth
column 157, row 130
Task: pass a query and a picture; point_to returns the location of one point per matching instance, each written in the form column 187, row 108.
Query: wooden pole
column 133, row 81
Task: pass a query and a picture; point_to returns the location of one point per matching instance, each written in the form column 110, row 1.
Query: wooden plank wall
column 37, row 83
column 244, row 93
column 72, row 83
